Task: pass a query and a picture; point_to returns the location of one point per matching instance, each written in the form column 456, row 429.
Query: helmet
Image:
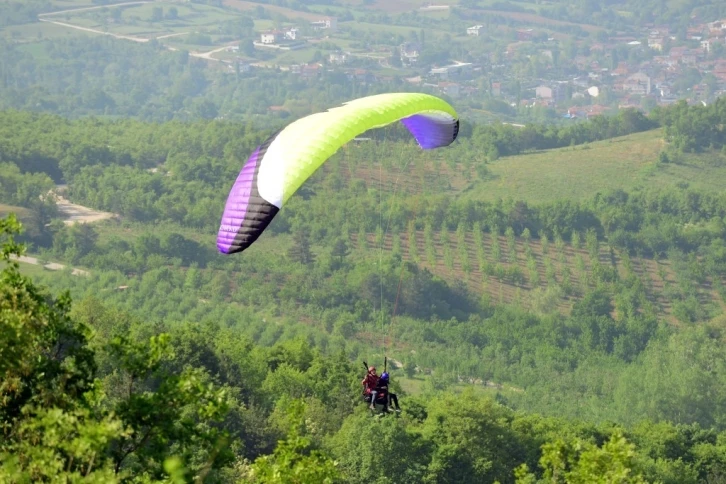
column 384, row 376
column 371, row 369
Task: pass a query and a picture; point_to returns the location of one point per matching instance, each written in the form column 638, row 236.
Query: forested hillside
column 547, row 292
column 94, row 393
column 537, row 322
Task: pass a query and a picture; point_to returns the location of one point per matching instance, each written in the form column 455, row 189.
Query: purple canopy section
column 246, row 214
column 432, row 132
column 235, row 209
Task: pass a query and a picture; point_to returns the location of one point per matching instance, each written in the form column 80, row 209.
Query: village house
column 595, row 110
column 329, row 23
column 545, row 103
column 306, row 70
column 240, row 65
column 657, row 38
column 451, row 89
column 543, row 92
column 338, row 58
column 409, row 52
column 689, row 57
column 555, row 94
column 719, row 71
column 496, row 89
column 475, row 30
column 361, row 75
column 656, row 43
column 621, row 70
column 638, row 83
column 677, row 53
column 270, row 37
column 291, row 34
column 575, row 112
column 524, row 34
column 717, row 28
column 695, row 33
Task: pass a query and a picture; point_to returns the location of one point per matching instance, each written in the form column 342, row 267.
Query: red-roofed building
column 595, row 110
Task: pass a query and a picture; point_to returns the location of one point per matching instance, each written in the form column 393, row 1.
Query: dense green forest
column 95, row 394
column 532, row 335
column 103, row 76
column 176, row 361
column 167, row 182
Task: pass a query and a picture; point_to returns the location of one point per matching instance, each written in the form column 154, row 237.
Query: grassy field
column 36, row 32
column 393, row 7
column 30, row 270
column 289, row 13
column 21, row 212
column 628, row 162
column 188, row 15
column 66, row 4
column 295, row 56
column 539, row 21
column 136, row 20
column 393, row 29
column 576, row 172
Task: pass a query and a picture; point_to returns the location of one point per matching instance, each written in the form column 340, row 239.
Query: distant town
column 592, row 82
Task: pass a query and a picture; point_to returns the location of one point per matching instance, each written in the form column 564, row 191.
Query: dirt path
column 74, row 213
column 53, row 266
column 86, row 29
column 199, row 55
column 177, row 34
column 208, row 55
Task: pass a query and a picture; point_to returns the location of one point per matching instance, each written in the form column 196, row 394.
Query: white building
column 291, row 34
column 458, row 70
column 475, row 30
column 338, row 58
column 269, row 37
column 330, row 23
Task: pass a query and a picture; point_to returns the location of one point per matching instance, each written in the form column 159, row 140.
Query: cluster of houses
column 632, row 82
column 290, row 39
column 629, row 83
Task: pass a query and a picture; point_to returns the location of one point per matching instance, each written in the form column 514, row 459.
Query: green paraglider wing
column 278, row 167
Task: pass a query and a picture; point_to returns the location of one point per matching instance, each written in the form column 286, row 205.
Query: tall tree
column 300, row 250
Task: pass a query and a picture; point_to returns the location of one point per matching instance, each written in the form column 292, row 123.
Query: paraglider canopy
column 278, row 167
